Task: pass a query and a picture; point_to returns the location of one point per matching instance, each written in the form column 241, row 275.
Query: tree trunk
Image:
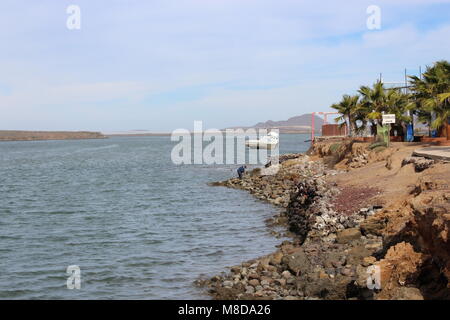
column 350, row 126
column 404, row 131
column 373, row 128
column 442, row 131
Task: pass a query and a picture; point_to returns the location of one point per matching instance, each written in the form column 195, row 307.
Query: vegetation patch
column 334, row 148
column 427, row 98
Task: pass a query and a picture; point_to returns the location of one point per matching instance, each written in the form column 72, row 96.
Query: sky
column 159, row 65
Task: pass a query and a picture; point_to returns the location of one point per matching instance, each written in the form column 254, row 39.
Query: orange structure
column 334, row 130
column 325, row 126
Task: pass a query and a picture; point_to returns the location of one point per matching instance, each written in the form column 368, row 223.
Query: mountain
column 298, row 124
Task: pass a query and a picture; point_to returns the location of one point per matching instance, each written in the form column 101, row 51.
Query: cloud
column 397, row 37
column 226, row 61
column 72, row 94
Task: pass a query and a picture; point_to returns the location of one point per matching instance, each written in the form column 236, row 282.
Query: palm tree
column 432, row 94
column 398, row 103
column 347, row 107
column 378, row 100
column 372, row 103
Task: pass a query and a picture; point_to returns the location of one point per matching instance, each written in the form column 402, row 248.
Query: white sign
column 388, row 118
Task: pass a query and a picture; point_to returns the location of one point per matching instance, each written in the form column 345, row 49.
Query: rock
column 259, row 293
column 281, row 282
column 367, row 261
column 348, row 235
column 253, row 276
column 228, row 284
column 249, row 290
column 271, row 268
column 264, row 263
column 265, row 283
column 297, row 262
column 346, row 272
column 286, row 274
column 253, row 282
column 236, row 269
column 267, row 278
column 278, row 200
column 293, row 292
column 276, row 258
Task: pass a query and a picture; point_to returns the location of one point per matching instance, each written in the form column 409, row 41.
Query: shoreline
column 23, row 135
column 339, row 227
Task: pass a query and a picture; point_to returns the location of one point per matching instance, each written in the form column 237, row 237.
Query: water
column 138, row 226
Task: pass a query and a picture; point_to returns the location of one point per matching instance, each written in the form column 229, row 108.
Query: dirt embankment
column 11, row 135
column 358, row 216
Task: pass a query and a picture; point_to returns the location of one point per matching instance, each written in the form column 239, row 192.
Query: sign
column 388, row 118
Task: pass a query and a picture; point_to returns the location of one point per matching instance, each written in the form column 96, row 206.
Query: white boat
column 266, row 142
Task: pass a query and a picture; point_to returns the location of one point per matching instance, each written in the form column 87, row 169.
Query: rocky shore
column 343, row 221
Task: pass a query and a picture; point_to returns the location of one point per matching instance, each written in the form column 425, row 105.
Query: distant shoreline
column 169, row 134
column 22, row 135
column 137, row 134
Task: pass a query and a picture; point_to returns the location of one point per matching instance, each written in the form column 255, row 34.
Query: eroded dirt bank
column 349, row 207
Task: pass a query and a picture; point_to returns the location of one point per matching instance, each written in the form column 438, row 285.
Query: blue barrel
column 410, row 132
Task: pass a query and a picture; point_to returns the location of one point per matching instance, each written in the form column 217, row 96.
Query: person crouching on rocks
column 241, row 171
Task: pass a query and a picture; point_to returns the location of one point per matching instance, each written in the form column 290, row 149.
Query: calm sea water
column 138, row 226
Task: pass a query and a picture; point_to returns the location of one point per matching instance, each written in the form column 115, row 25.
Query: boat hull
column 260, row 145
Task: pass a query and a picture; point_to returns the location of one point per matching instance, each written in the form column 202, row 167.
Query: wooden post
column 389, row 136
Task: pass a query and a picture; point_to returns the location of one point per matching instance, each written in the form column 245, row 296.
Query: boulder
column 276, row 258
column 297, row 262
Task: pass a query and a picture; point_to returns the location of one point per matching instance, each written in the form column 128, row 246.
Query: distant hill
column 298, row 124
column 17, row 135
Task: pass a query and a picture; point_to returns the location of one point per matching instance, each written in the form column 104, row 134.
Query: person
column 241, row 171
